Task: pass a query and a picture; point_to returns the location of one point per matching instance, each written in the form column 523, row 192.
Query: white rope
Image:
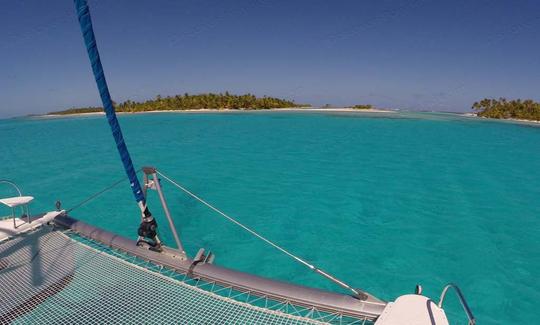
column 254, row 233
column 95, row 195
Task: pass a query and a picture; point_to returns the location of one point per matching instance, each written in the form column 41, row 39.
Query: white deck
column 412, row 310
column 7, row 230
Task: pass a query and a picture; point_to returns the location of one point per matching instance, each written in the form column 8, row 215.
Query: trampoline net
column 50, row 276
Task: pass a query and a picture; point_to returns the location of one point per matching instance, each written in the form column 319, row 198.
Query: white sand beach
column 213, row 110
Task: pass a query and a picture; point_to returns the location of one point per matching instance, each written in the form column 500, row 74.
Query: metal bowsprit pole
column 151, row 181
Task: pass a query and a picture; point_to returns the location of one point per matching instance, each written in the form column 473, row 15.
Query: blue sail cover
column 83, row 13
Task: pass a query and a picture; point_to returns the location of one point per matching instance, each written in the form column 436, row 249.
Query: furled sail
column 85, row 21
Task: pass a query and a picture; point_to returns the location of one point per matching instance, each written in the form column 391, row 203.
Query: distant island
column 508, row 109
column 192, row 102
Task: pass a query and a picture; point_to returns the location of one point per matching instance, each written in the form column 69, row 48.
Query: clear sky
column 418, row 55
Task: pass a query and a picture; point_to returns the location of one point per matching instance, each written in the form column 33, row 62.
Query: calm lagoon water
column 382, row 201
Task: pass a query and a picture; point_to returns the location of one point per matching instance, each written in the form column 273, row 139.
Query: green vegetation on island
column 353, row 107
column 508, row 109
column 191, row 102
column 363, row 107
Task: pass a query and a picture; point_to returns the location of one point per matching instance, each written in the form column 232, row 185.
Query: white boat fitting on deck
column 7, row 230
column 13, row 225
column 15, row 202
column 412, row 309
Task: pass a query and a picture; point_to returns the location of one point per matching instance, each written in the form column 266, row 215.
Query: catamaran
column 57, row 269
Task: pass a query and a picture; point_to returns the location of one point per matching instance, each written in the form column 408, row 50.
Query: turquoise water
column 381, row 201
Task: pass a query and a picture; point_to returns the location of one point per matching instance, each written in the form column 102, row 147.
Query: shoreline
column 521, row 121
column 291, row 109
column 214, row 110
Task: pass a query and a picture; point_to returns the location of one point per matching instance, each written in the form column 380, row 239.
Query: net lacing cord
column 356, row 292
column 99, row 193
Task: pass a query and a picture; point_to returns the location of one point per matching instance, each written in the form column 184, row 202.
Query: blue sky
column 418, row 55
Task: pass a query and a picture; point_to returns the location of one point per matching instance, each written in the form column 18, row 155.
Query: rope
column 95, row 195
column 264, row 239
